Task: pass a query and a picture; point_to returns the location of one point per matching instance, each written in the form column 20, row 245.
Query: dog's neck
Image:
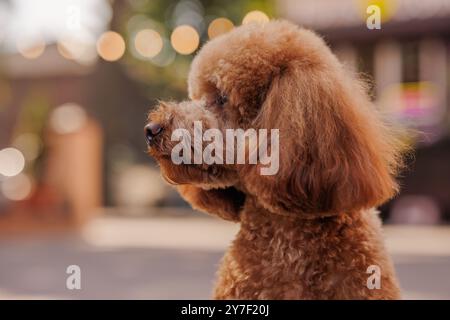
column 252, row 206
column 257, row 219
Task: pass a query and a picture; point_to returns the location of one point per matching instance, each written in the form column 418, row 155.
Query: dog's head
column 335, row 153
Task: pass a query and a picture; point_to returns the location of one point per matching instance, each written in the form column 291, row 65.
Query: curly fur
column 308, row 232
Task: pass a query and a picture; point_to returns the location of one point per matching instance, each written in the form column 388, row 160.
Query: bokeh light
column 139, row 186
column 111, row 46
column 219, row 26
column 64, row 49
column 12, row 162
column 83, row 52
column 188, row 12
column 17, row 188
column 255, row 16
column 30, row 49
column 166, row 57
column 68, row 118
column 148, row 43
column 388, row 8
column 185, row 39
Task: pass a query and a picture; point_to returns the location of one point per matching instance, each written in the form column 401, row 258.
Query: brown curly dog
column 308, row 231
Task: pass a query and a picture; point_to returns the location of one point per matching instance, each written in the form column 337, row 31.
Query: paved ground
column 175, row 258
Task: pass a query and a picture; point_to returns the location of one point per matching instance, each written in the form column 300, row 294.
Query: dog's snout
column 152, row 130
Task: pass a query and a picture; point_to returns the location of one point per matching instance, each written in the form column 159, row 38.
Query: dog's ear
column 335, row 152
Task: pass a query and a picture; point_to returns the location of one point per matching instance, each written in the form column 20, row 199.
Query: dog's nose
column 151, row 131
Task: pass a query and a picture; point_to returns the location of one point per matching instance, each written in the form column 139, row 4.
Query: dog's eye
column 221, row 100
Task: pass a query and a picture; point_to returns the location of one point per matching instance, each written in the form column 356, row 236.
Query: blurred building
column 408, row 62
column 46, row 120
column 71, row 115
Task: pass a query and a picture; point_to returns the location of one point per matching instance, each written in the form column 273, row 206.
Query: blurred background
column 77, row 78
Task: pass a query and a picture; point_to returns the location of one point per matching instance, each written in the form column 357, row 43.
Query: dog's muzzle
column 152, row 130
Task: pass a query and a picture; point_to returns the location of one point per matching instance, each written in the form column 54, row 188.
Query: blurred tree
column 31, row 122
column 166, row 73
